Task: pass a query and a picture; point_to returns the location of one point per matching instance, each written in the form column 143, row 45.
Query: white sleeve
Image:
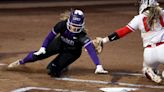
column 134, row 23
column 163, row 12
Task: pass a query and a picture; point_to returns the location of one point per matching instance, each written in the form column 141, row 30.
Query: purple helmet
column 76, row 19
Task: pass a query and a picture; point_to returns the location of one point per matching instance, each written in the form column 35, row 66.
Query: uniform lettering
column 68, row 41
column 76, row 18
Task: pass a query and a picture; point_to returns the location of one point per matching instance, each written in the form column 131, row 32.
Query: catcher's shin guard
column 152, row 75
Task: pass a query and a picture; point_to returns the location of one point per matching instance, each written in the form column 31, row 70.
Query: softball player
column 66, row 39
column 150, row 22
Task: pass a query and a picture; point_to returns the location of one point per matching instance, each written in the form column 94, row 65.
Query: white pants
column 153, row 56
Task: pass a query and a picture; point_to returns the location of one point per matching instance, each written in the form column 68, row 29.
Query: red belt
column 157, row 44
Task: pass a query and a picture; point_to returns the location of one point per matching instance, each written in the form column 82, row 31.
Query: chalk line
column 127, row 74
column 25, row 89
column 118, row 89
column 114, row 83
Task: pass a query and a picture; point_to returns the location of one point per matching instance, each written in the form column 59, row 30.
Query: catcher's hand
column 98, row 44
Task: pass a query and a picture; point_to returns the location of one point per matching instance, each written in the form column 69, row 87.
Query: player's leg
column 61, row 62
column 152, row 74
column 53, row 48
column 160, row 53
column 151, row 64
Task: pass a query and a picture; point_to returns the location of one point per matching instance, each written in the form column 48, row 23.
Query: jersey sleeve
column 162, row 12
column 132, row 26
column 92, row 53
column 59, row 27
column 55, row 30
column 48, row 39
column 134, row 23
column 88, row 45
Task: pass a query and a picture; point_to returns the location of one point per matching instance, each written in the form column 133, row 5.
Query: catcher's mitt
column 98, row 44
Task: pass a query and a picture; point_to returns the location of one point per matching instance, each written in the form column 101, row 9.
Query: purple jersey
column 72, row 40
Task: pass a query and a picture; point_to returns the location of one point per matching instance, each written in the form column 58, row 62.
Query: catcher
column 150, row 22
column 66, row 39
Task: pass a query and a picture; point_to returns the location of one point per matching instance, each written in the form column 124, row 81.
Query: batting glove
column 100, row 70
column 42, row 50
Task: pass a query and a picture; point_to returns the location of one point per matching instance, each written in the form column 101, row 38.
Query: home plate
column 118, row 89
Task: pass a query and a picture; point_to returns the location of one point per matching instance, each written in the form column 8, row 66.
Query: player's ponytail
column 153, row 15
column 65, row 15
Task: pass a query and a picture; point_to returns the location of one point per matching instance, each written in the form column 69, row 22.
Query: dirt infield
column 22, row 31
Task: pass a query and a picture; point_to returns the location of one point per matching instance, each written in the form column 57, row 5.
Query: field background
column 25, row 24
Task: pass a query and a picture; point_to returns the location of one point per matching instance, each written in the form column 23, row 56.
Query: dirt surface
column 23, row 30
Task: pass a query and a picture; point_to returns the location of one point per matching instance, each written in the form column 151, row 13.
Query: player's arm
column 117, row 34
column 132, row 26
column 49, row 38
column 92, row 53
column 52, row 34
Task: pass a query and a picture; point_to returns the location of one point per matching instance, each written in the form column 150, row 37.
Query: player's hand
column 42, row 50
column 98, row 44
column 100, row 70
column 105, row 40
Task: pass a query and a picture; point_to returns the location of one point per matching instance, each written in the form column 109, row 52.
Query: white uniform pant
column 153, row 56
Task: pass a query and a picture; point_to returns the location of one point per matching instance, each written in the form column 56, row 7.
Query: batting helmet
column 145, row 4
column 76, row 19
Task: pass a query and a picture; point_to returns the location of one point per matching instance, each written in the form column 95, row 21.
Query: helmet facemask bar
column 74, row 28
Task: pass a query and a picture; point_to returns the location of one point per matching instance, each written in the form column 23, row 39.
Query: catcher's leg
column 151, row 72
column 56, row 67
column 161, row 57
column 151, row 64
column 152, row 75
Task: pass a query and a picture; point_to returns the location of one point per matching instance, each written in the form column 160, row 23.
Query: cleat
column 151, row 74
column 100, row 70
column 14, row 64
